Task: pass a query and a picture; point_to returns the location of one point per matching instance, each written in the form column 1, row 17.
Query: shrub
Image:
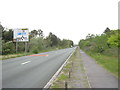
column 8, row 47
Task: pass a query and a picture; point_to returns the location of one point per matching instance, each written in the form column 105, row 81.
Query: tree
column 54, row 39
column 89, row 36
column 107, row 30
column 1, row 30
column 7, row 35
column 40, row 33
column 66, row 43
column 47, row 42
column 36, row 45
column 33, row 33
column 114, row 39
column 8, row 47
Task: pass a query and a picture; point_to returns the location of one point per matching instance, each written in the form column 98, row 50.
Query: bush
column 35, row 51
column 100, row 43
column 114, row 40
column 0, row 47
column 8, row 48
column 36, row 45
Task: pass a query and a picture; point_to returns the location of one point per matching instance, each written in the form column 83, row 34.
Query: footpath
column 98, row 76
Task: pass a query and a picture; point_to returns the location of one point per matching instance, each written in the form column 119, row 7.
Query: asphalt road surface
column 33, row 71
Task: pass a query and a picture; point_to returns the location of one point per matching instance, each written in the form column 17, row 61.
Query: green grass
column 108, row 62
column 55, row 86
column 63, row 77
column 4, row 57
column 68, row 66
column 60, row 81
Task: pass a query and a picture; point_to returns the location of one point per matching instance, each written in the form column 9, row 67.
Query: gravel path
column 98, row 77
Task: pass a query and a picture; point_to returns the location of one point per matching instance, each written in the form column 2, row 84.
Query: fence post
column 66, row 85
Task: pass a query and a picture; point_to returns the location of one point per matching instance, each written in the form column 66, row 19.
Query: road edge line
column 57, row 73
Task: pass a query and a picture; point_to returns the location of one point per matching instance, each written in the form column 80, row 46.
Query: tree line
column 106, row 43
column 37, row 42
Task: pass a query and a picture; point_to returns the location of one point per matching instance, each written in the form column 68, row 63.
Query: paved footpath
column 98, row 77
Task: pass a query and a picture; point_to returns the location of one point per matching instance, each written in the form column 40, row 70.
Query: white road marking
column 25, row 62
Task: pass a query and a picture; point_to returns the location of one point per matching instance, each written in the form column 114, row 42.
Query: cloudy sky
column 70, row 19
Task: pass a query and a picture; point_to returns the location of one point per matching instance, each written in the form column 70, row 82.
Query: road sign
column 21, row 35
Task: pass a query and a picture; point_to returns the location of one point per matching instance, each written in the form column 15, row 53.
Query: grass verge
column 64, row 74
column 4, row 57
column 73, row 74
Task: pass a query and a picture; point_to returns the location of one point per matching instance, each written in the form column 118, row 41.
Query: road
column 33, row 71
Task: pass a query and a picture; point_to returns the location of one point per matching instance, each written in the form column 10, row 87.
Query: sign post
column 26, row 47
column 21, row 35
column 16, row 47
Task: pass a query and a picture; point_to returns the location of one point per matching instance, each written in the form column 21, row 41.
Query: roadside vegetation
column 72, row 73
column 63, row 77
column 37, row 43
column 104, row 49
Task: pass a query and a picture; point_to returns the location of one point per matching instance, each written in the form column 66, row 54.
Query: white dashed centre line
column 25, row 62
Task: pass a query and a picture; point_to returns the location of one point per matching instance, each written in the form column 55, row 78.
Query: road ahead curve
column 32, row 71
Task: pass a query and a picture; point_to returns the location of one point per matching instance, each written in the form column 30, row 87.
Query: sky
column 69, row 19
